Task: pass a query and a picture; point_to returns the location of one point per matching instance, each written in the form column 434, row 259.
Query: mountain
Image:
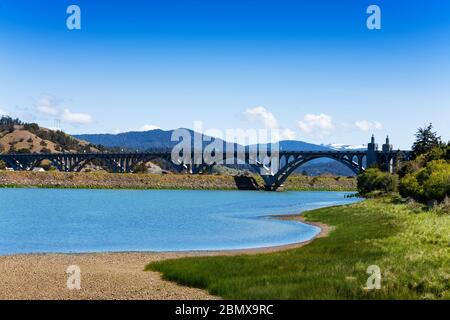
column 145, row 140
column 294, row 145
column 132, row 140
column 19, row 137
column 347, row 147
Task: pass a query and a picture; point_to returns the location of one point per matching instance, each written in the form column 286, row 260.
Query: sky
column 311, row 69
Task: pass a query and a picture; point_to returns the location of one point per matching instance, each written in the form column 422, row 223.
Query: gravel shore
column 103, row 276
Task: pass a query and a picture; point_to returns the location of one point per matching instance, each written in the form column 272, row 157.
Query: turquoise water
column 66, row 220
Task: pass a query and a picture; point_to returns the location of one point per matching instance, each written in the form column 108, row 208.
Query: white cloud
column 269, row 121
column 319, row 125
column 46, row 105
column 286, row 134
column 148, row 127
column 76, row 118
column 145, row 127
column 262, row 115
column 365, row 125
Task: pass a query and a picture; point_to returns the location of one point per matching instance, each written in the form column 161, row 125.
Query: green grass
column 411, row 247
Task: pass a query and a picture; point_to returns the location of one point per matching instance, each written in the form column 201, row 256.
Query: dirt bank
column 165, row 181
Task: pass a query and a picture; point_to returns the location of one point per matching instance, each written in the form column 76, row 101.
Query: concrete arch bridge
column 274, row 167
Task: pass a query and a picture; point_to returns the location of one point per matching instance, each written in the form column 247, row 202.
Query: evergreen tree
column 426, row 140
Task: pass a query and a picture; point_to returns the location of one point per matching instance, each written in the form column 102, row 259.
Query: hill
column 144, row 140
column 19, row 137
column 295, row 145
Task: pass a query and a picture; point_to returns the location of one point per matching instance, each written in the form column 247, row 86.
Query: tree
column 8, row 121
column 426, row 140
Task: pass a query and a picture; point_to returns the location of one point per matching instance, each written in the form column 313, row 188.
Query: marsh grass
column 411, row 247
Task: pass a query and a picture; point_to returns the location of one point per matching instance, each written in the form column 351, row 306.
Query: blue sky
column 310, row 68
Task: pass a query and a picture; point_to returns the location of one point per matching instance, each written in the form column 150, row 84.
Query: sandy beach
column 105, row 275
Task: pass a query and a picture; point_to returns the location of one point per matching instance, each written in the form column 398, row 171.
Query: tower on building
column 387, row 147
column 372, row 149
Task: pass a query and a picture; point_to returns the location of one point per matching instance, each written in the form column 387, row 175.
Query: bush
column 439, row 153
column 46, row 165
column 2, row 165
column 140, row 168
column 23, row 150
column 410, row 187
column 376, row 180
column 411, row 166
column 431, row 183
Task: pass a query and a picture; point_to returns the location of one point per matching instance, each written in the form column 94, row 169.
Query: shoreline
column 149, row 181
column 324, row 231
column 113, row 275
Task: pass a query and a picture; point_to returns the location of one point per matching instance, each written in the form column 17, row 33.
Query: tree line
column 425, row 179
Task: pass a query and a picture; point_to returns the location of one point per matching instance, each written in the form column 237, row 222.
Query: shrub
column 313, row 181
column 444, row 206
column 2, row 165
column 431, row 183
column 46, row 165
column 439, row 153
column 411, row 166
column 410, row 187
column 140, row 168
column 437, row 185
column 376, row 180
column 24, row 150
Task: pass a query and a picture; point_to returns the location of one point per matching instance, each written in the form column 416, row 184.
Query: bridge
column 274, row 167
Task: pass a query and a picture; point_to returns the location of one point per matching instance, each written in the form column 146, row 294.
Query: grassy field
column 411, row 247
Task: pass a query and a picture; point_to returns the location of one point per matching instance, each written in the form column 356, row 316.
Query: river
column 82, row 220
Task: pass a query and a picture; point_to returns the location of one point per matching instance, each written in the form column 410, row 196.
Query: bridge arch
column 149, row 158
column 53, row 161
column 272, row 182
column 79, row 164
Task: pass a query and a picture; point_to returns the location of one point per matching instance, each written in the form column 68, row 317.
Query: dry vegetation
column 160, row 181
